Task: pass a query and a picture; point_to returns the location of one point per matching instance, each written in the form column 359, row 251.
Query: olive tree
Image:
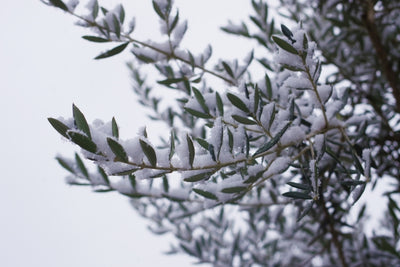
column 267, row 168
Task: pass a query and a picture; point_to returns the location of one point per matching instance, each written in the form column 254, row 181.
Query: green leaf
column 191, row 150
column 268, row 87
column 285, row 45
column 171, row 145
column 165, row 184
column 80, row 121
column 60, row 127
column 95, row 11
column 220, row 104
column 296, row 195
column 198, row 114
column 228, row 69
column 174, row 23
column 286, row 32
column 230, row 140
column 116, row 50
column 243, row 120
column 305, row 211
column 59, row 4
column 203, row 143
column 237, row 102
column 212, row 152
column 351, row 182
column 382, row 243
column 118, row 150
column 205, row 194
column 198, row 177
column 299, row 186
column 103, row 175
column 83, row 141
column 121, row 14
column 170, row 81
column 114, row 128
column 117, row 27
column 256, row 99
column 149, row 152
column 95, row 39
column 201, row 100
column 65, row 165
column 81, row 166
column 157, row 9
column 234, row 189
column 273, row 141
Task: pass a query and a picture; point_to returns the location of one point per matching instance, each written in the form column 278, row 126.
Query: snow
column 216, row 135
column 319, row 143
column 266, row 115
column 277, row 166
column 325, row 92
column 178, row 33
column 293, row 136
column 301, row 83
column 72, row 4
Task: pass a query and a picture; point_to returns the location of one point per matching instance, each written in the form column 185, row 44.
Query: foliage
column 271, row 167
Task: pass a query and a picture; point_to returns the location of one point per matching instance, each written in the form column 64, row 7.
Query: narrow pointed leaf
column 81, row 166
column 60, row 127
column 103, row 175
column 296, row 195
column 95, row 39
column 170, row 81
column 273, row 141
column 171, row 145
column 228, row 69
column 198, row 177
column 233, row 190
column 149, row 152
column 165, row 184
column 157, row 9
column 200, row 99
column 285, row 45
column 65, row 165
column 203, row 143
column 268, row 87
column 59, row 4
column 80, row 121
column 220, row 105
column 243, row 120
column 83, row 141
column 237, row 102
column 205, row 194
column 299, row 186
column 198, row 114
column 114, row 126
column 116, row 50
column 191, row 150
column 118, row 150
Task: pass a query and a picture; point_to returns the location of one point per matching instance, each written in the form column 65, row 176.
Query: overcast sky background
column 45, row 67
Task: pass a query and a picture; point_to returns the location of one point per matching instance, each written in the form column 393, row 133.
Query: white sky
column 45, row 67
